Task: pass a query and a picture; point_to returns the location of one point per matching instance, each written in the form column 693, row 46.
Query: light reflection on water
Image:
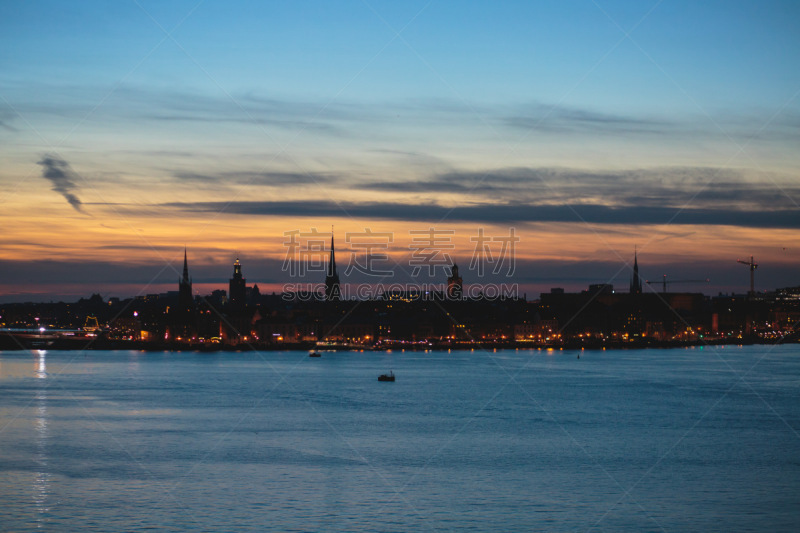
column 278, row 441
column 41, row 481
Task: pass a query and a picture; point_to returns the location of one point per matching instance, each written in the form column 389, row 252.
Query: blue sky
column 162, row 109
column 735, row 53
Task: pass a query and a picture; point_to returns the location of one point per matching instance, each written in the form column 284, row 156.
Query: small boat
column 314, row 354
column 386, row 377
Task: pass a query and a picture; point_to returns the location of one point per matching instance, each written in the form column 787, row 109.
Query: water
column 639, row 440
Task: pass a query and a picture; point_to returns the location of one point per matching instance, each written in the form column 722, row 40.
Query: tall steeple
column 185, row 298
column 636, row 282
column 332, row 291
column 185, row 268
column 332, row 260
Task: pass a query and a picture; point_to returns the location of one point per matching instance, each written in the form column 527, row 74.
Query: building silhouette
column 181, row 315
column 237, row 291
column 636, row 281
column 413, row 318
column 332, row 290
column 454, row 284
column 185, row 298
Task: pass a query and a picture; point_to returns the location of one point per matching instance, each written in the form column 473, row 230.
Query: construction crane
column 664, row 282
column 753, row 266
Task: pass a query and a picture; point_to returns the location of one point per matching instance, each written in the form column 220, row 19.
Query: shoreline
column 11, row 342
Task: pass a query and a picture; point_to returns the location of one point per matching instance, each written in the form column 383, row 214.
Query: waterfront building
column 454, row 284
column 237, row 291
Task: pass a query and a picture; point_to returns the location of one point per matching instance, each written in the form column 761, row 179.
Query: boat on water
column 314, row 354
column 386, row 377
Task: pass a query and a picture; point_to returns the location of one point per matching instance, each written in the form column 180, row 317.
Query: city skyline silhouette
column 588, row 129
column 369, row 265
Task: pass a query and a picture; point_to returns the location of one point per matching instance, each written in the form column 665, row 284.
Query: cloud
column 564, row 119
column 251, row 118
column 270, row 179
column 697, row 187
column 506, row 213
column 59, row 173
column 246, row 109
column 480, row 183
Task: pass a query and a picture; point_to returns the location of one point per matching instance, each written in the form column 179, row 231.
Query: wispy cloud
column 506, row 213
column 700, row 187
column 565, row 119
column 270, row 179
column 59, row 173
column 244, row 109
column 142, row 106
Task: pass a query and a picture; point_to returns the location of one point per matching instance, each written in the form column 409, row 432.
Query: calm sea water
column 640, row 440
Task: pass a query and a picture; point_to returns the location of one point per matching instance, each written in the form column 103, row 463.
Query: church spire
column 185, row 267
column 332, row 260
column 185, row 298
column 332, row 291
column 636, row 282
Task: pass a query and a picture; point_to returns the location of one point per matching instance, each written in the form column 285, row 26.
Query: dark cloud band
column 504, row 213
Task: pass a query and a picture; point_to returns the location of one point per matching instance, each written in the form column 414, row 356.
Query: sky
column 131, row 129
